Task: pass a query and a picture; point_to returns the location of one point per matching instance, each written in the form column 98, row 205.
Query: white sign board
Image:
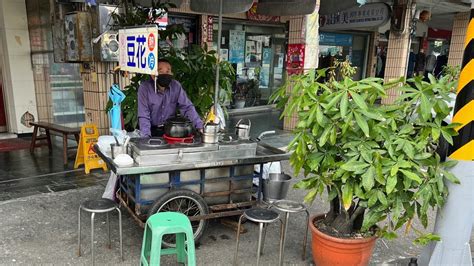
column 139, row 50
column 366, row 16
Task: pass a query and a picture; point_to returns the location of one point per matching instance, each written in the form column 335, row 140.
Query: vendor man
column 155, row 107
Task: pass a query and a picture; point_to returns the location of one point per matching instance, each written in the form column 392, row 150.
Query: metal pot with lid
column 243, row 130
column 211, row 133
column 178, row 127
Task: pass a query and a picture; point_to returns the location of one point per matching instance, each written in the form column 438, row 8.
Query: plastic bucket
column 275, row 187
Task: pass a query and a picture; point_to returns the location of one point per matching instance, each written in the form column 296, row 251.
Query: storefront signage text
column 335, row 39
column 210, row 28
column 366, row 16
column 138, row 50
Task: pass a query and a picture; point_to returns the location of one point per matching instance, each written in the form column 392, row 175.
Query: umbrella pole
column 219, row 36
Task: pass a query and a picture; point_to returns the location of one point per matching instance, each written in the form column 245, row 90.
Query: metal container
column 210, row 138
column 275, row 187
column 243, row 130
column 117, row 149
column 211, row 128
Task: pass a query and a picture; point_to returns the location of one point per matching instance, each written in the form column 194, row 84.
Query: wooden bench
column 48, row 127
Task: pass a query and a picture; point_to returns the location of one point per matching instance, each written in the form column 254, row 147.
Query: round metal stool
column 262, row 217
column 99, row 206
column 288, row 206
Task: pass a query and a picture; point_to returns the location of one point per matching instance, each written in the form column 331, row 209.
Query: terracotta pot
column 329, row 251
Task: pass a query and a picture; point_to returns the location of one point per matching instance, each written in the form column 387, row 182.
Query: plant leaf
column 347, row 195
column 344, row 104
column 368, row 179
column 391, row 183
column 412, row 176
column 362, row 124
column 354, row 166
column 359, row 101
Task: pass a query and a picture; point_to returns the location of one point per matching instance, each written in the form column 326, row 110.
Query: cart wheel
column 184, row 201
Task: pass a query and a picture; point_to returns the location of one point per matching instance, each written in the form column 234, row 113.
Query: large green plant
column 195, row 69
column 376, row 162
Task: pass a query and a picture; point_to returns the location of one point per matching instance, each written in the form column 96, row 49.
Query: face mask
column 164, row 80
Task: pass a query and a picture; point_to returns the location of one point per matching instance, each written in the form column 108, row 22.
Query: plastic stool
column 262, row 217
column 163, row 223
column 99, row 206
column 288, row 206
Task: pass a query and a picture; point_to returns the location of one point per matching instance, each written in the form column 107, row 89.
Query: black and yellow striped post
column 463, row 146
column 455, row 219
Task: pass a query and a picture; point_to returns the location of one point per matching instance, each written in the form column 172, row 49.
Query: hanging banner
column 236, row 46
column 210, row 28
column 139, row 50
column 295, row 59
column 367, row 16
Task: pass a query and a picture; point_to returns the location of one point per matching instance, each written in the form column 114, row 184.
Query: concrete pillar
column 397, row 55
column 304, row 31
column 458, row 35
column 455, row 219
column 15, row 62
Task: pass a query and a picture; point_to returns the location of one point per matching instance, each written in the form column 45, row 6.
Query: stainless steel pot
column 243, row 130
column 275, row 187
column 211, row 128
column 210, row 138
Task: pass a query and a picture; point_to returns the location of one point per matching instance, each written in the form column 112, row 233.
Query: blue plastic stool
column 163, row 223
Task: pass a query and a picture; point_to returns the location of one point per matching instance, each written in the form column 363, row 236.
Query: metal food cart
column 200, row 180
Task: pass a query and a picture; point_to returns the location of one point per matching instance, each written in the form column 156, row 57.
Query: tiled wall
column 304, row 30
column 97, row 80
column 397, row 53
column 18, row 86
column 456, row 49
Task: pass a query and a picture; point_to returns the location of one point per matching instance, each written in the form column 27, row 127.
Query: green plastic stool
column 163, row 223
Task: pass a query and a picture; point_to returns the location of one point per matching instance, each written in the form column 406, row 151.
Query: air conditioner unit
column 107, row 49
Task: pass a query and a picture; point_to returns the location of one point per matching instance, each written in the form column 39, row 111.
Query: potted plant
column 377, row 163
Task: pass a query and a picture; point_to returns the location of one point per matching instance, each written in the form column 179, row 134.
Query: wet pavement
column 25, row 174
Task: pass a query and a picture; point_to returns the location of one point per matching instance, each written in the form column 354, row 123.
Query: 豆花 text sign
column 139, row 50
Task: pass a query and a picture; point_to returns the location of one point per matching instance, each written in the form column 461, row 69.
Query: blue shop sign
column 335, row 39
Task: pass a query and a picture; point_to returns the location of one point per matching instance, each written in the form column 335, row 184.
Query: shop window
column 59, row 90
column 257, row 53
column 190, row 37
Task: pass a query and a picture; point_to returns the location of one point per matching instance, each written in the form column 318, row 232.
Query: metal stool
column 262, row 217
column 99, row 206
column 288, row 206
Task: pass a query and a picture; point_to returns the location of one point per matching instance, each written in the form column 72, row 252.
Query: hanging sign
column 210, row 28
column 295, row 59
column 139, row 50
column 85, row 152
column 236, row 46
column 367, row 16
column 335, row 39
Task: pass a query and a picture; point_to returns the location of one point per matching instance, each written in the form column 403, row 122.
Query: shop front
column 257, row 52
column 349, row 35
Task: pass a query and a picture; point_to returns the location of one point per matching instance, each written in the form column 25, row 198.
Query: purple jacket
column 155, row 108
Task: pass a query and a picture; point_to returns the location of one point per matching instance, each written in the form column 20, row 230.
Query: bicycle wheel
column 184, row 201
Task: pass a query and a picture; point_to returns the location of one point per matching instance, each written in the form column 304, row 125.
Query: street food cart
column 203, row 181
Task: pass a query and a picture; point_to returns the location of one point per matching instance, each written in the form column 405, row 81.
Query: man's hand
column 200, row 130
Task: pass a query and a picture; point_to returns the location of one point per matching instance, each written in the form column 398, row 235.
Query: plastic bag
column 110, row 189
